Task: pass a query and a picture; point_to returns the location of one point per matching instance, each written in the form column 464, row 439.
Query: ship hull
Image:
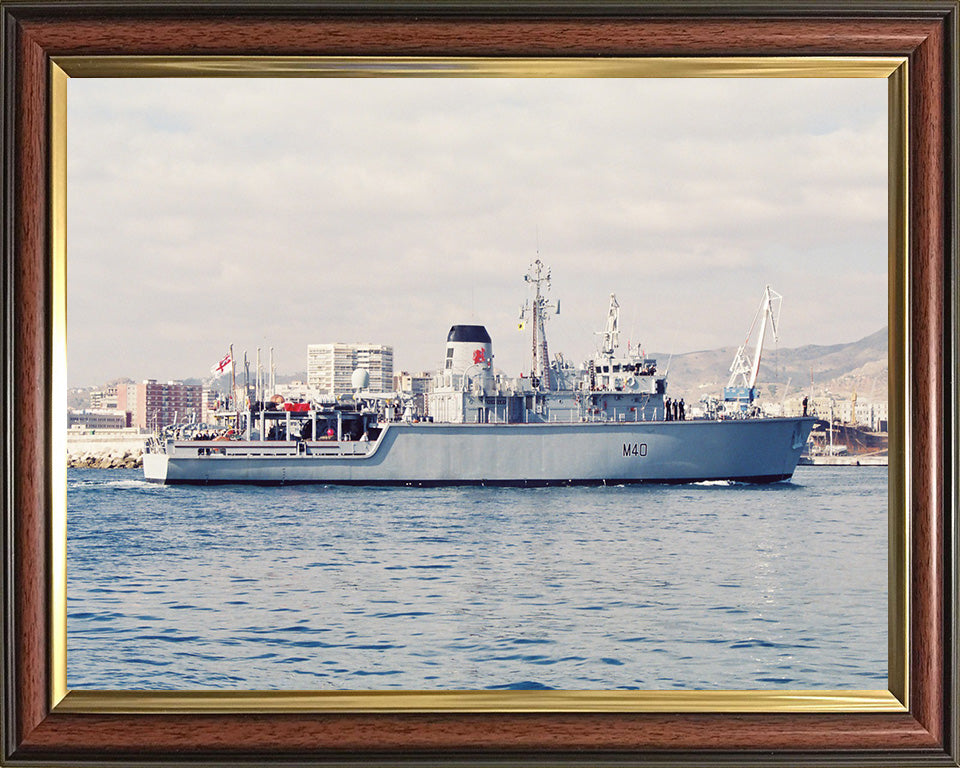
column 748, row 450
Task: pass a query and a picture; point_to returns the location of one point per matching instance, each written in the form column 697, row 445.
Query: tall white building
column 330, row 366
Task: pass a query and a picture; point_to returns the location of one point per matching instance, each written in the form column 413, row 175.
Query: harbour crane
column 741, row 389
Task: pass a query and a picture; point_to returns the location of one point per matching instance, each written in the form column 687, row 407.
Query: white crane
column 744, row 370
column 611, row 334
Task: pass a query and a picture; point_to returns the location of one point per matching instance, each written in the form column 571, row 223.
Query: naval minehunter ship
column 608, row 422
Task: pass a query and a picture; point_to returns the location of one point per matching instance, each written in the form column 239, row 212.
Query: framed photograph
column 93, row 56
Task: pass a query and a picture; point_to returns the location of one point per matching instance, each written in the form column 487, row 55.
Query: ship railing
column 278, row 448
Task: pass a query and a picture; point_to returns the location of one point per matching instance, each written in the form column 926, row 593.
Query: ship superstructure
column 609, row 387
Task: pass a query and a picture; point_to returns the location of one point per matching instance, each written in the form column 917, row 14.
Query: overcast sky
column 286, row 212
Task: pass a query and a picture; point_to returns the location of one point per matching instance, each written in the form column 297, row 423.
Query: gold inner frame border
column 895, row 699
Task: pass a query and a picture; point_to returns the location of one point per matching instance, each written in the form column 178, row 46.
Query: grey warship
column 609, row 421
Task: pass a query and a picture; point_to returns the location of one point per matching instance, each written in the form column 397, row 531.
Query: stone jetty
column 105, row 461
column 105, row 448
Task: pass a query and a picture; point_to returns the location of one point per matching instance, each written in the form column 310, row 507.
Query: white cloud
column 284, row 212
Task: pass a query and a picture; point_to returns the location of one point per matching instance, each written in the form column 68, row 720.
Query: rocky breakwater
column 127, row 460
column 105, row 449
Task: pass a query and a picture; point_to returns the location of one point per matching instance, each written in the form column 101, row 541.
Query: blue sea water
column 702, row 586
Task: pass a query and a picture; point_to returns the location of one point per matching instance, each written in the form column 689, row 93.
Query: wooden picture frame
column 38, row 728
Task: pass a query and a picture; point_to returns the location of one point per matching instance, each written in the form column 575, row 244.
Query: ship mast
column 539, row 277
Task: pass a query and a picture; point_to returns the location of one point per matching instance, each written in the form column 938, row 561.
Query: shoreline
column 843, row 461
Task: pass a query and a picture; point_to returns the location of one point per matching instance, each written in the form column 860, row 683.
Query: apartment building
column 153, row 404
column 331, row 366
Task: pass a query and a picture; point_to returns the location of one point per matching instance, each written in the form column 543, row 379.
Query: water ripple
column 697, row 586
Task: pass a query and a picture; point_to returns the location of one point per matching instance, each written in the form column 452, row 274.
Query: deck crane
column 741, row 389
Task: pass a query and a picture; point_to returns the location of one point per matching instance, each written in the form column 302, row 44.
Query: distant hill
column 838, row 369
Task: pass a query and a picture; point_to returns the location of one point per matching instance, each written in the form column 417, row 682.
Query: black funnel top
column 475, row 333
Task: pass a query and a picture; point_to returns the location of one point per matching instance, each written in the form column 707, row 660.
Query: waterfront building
column 873, row 416
column 413, row 383
column 153, row 404
column 210, row 402
column 127, row 400
column 97, row 418
column 109, row 395
column 418, row 385
column 330, row 367
column 103, row 398
column 845, row 410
